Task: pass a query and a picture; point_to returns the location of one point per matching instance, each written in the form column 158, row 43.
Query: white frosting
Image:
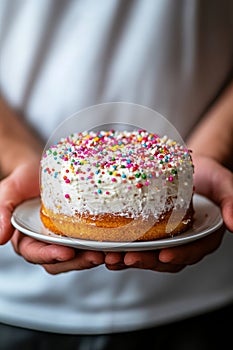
column 118, row 172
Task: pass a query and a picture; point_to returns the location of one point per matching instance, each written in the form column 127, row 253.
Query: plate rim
column 50, row 237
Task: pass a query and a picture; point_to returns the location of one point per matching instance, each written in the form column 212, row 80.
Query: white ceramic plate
column 26, row 218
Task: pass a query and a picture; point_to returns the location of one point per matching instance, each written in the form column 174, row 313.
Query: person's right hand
column 23, row 184
column 211, row 180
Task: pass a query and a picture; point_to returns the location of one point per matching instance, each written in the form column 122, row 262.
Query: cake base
column 113, row 228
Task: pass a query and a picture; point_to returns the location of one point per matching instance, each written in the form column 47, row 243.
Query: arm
column 18, row 143
column 213, row 136
column 20, row 153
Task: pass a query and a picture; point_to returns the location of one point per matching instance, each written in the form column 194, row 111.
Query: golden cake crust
column 113, row 228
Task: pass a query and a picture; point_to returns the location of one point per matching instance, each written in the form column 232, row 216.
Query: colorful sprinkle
column 99, row 158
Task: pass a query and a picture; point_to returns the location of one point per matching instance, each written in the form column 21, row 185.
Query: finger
column 115, row 261
column 216, row 183
column 144, row 260
column 37, row 252
column 148, row 260
column 192, row 253
column 82, row 261
column 113, row 258
column 6, row 229
column 223, row 196
column 22, row 184
column 227, row 212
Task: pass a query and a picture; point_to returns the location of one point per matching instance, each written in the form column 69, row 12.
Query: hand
column 23, row 184
column 216, row 183
column 53, row 258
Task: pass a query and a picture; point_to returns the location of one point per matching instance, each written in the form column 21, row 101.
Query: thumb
column 20, row 185
column 216, row 182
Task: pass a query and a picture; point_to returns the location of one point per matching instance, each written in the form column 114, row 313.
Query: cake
column 117, row 186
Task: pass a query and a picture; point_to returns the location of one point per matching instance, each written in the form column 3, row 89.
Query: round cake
column 117, row 186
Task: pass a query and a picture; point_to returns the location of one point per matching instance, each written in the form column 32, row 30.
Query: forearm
column 213, row 137
column 18, row 143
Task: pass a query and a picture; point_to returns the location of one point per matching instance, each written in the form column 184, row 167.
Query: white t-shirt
column 57, row 57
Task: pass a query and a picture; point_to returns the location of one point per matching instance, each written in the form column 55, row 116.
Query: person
column 58, row 57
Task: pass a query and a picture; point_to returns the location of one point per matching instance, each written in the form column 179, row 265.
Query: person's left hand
column 216, row 183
